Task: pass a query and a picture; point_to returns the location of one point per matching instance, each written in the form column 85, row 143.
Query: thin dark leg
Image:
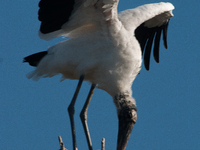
column 83, row 116
column 71, row 111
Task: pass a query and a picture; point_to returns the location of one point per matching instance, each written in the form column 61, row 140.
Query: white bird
column 104, row 48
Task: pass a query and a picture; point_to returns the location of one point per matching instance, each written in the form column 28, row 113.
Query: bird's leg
column 71, row 111
column 83, row 116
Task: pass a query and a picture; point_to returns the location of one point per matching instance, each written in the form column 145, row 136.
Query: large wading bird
column 104, row 47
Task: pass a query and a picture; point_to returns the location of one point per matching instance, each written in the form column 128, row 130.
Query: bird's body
column 105, row 51
column 103, row 45
column 106, row 61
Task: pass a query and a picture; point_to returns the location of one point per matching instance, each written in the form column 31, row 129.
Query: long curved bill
column 125, row 127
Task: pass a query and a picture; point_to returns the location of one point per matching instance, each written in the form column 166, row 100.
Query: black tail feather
column 34, row 59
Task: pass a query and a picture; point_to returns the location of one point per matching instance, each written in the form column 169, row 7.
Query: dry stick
column 103, row 144
column 62, row 146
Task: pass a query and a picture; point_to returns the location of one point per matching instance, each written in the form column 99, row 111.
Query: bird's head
column 127, row 115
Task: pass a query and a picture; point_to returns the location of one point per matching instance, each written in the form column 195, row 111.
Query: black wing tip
column 165, row 42
column 157, row 60
column 24, row 60
column 146, row 65
column 145, row 37
column 31, row 63
column 166, row 47
column 165, row 29
column 34, row 59
column 53, row 14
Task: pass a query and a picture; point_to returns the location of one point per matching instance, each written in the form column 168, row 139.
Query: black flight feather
column 146, row 37
column 34, row 59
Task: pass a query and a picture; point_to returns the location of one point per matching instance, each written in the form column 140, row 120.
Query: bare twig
column 103, row 144
column 62, row 146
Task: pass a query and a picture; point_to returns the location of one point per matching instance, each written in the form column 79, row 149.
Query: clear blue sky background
column 33, row 114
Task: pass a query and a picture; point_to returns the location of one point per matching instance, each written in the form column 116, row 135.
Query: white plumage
column 103, row 45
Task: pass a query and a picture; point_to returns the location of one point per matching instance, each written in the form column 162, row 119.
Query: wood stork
column 104, row 48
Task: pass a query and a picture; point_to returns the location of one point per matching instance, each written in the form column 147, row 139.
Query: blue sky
column 33, row 114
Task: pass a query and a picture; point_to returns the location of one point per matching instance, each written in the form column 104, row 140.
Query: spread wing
column 147, row 23
column 147, row 36
column 60, row 17
column 63, row 17
column 54, row 13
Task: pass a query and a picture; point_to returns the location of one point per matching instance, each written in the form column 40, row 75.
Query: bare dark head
column 127, row 115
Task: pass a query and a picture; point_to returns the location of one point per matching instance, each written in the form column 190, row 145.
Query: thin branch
column 62, row 146
column 103, row 144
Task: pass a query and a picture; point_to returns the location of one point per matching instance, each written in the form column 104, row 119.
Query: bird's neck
column 123, row 101
column 127, row 117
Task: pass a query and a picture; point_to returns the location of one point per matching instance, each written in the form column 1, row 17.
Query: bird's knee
column 71, row 110
column 83, row 116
